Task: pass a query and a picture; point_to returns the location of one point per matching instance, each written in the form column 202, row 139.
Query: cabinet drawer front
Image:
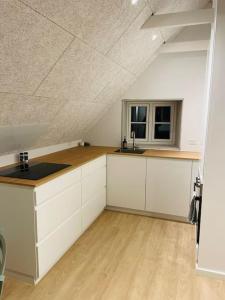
column 56, row 210
column 94, row 165
column 55, row 186
column 92, row 209
column 92, row 184
column 52, row 249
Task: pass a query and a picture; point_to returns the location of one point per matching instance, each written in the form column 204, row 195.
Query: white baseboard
column 13, row 158
column 147, row 214
column 210, row 273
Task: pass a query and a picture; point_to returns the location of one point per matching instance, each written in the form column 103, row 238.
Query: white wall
column 212, row 237
column 170, row 76
column 12, row 158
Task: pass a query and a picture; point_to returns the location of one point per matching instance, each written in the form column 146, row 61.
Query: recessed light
column 134, row 2
column 154, row 37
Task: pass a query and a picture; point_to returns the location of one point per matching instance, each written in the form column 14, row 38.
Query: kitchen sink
column 129, row 150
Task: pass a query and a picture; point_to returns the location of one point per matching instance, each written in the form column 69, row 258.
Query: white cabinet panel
column 57, row 185
column 126, row 181
column 93, row 208
column 17, row 223
column 51, row 249
column 92, row 166
column 92, row 183
column 168, row 186
column 55, row 211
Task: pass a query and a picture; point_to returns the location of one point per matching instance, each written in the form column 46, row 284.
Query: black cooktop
column 33, row 172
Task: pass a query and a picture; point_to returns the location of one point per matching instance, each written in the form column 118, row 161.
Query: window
column 153, row 122
column 138, row 121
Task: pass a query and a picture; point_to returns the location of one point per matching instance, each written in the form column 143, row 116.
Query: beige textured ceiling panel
column 136, row 46
column 83, row 117
column 20, row 137
column 72, row 121
column 29, row 46
column 117, row 87
column 98, row 22
column 20, row 109
column 80, row 74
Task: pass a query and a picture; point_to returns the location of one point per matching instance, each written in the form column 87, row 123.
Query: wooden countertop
column 78, row 156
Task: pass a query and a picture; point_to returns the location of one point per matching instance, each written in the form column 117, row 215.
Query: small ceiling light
column 134, row 2
column 154, row 37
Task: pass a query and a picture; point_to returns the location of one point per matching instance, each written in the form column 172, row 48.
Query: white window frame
column 150, row 121
column 129, row 139
column 172, row 123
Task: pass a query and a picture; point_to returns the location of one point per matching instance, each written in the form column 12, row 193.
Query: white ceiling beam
column 186, row 18
column 189, row 46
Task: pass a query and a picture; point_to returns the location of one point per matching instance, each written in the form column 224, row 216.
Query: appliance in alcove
column 194, row 216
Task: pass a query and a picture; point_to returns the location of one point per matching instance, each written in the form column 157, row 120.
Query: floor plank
column 123, row 256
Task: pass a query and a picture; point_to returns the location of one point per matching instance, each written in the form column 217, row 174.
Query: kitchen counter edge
column 79, row 156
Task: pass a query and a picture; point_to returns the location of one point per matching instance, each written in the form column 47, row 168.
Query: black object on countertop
column 33, row 172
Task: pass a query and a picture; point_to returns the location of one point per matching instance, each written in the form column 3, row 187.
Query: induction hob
column 33, row 172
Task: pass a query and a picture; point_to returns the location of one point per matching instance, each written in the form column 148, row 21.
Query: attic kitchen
column 111, row 163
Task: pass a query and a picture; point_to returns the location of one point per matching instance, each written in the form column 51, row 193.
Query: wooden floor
column 123, row 257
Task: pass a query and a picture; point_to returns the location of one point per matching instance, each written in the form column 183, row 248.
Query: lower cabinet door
column 52, row 249
column 168, row 186
column 93, row 207
column 126, row 181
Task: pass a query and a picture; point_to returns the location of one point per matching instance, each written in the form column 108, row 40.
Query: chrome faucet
column 133, row 137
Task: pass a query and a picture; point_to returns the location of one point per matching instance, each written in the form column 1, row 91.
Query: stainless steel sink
column 129, row 150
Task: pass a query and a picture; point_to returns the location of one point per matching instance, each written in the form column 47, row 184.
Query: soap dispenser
column 124, row 143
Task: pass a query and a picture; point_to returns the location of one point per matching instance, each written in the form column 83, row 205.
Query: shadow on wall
column 20, row 137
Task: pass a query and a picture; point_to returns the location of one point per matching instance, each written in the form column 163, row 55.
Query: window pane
column 140, row 131
column 162, row 113
column 138, row 113
column 162, row 131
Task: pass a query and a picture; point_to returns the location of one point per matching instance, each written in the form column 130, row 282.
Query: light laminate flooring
column 125, row 257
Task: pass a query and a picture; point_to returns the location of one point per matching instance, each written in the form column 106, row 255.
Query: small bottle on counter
column 124, row 143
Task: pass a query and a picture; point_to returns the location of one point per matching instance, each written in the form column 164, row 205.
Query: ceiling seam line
column 99, row 93
column 36, row 11
column 29, row 95
column 17, row 94
column 105, row 56
column 77, row 37
column 128, row 26
column 52, row 67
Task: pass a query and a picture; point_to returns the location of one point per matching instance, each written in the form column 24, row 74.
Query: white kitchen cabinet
column 42, row 222
column 168, row 186
column 93, row 190
column 57, row 209
column 17, row 224
column 93, row 183
column 126, row 181
column 50, row 250
column 56, row 186
column 92, row 208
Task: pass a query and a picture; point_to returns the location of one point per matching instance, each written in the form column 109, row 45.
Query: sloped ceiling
column 64, row 62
